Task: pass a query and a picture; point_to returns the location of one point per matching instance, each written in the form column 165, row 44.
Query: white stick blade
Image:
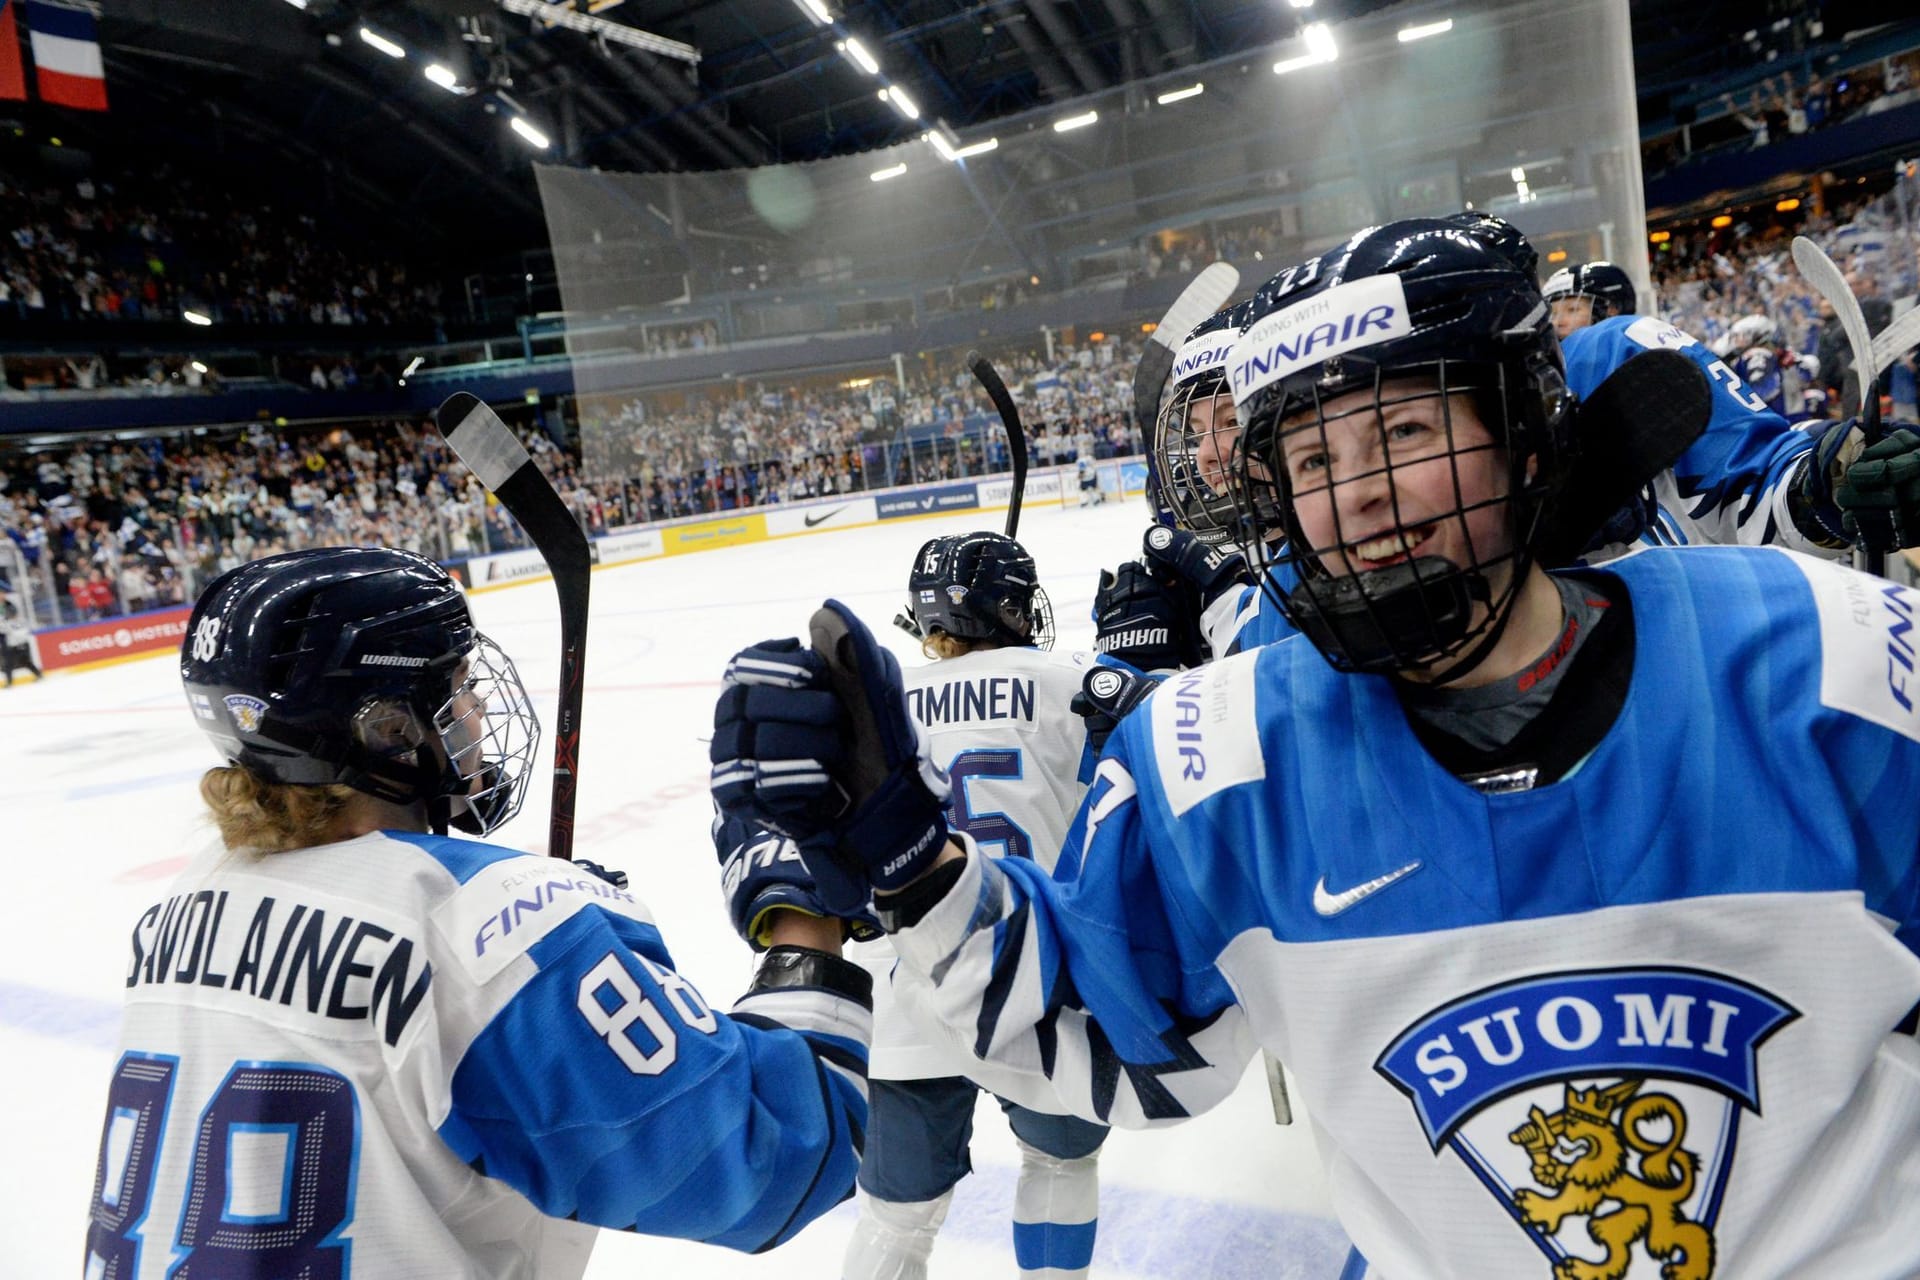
column 1823, row 274
column 1898, row 338
column 486, row 445
column 1207, row 294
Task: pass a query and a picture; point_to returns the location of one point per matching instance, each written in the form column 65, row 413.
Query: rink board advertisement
column 707, row 534
column 507, row 566
column 817, row 516
column 927, row 502
column 623, row 545
column 1042, row 486
column 74, row 646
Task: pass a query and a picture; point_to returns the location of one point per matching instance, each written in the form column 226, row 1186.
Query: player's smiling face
column 1379, row 482
column 1216, row 430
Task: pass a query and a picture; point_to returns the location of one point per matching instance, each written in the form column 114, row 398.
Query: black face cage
column 1418, row 614
column 1192, row 447
column 1040, row 619
column 486, row 731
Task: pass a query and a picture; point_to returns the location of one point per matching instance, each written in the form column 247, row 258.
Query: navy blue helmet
column 1609, row 289
column 361, row 666
column 979, row 586
column 1422, row 315
column 1196, row 431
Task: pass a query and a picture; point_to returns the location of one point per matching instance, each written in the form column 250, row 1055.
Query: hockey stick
column 1632, row 427
column 1207, row 293
column 492, row 453
column 1820, row 271
column 1016, row 434
column 1898, row 338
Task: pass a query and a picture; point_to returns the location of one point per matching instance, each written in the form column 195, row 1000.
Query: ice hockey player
column 348, row 1033
column 996, row 708
column 1750, row 479
column 1091, row 494
column 1451, row 857
column 1587, row 293
column 1755, row 352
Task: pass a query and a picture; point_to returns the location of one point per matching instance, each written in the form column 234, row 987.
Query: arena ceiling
column 290, row 91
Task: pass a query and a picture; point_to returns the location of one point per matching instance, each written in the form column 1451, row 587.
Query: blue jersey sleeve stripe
column 463, row 859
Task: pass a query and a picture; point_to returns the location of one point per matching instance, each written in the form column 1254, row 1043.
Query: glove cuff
column 898, row 832
column 789, row 967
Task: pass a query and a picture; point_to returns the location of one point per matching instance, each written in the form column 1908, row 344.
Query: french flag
column 66, row 56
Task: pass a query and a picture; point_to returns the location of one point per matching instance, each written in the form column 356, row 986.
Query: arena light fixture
column 1724, row 220
column 977, row 148
column 1788, row 205
column 857, row 54
column 1300, row 4
column 196, row 366
column 1659, row 237
column 901, row 102
column 1172, row 96
column 1518, row 175
column 195, row 317
column 1422, row 30
column 531, row 135
column 1558, row 255
column 1320, row 48
column 412, row 364
column 442, row 75
column 881, row 175
column 369, row 36
column 939, row 143
column 1080, row 121
column 821, row 15
column 298, row 4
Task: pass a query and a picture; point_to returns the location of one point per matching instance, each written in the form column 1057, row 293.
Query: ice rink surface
column 97, row 797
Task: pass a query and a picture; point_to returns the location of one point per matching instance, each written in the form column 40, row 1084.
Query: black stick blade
column 1634, row 426
column 493, row 453
column 997, row 392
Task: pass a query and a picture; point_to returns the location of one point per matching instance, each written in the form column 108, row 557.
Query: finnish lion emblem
column 1615, row 1158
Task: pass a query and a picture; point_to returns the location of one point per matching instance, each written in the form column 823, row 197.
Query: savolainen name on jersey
column 287, row 948
column 985, row 698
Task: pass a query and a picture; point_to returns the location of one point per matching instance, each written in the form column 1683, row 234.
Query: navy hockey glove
column 1106, row 695
column 1879, row 497
column 1177, row 556
column 778, row 732
column 762, row 872
column 612, row 875
column 1812, row 501
column 1141, row 621
column 818, row 743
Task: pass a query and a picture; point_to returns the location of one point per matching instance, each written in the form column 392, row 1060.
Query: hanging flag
column 13, row 77
column 66, row 56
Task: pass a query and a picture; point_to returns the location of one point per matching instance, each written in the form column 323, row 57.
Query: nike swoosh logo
column 1332, row 904
column 824, row 515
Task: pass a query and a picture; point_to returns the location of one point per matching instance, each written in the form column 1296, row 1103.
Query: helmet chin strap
column 1366, row 617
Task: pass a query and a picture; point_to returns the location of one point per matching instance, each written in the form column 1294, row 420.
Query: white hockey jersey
column 405, row 1055
column 999, row 723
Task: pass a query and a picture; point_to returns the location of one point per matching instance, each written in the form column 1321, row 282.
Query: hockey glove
column 1176, row 556
column 1879, row 497
column 612, row 875
column 818, row 743
column 1107, row 694
column 762, row 872
column 1140, row 620
column 1812, row 502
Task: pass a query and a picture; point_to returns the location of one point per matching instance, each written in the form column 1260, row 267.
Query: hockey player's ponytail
column 258, row 816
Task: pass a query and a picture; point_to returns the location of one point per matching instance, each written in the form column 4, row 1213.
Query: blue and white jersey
column 1676, row 984
column 1001, row 723
column 1759, row 368
column 404, row 1055
column 1247, row 618
column 1731, row 487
